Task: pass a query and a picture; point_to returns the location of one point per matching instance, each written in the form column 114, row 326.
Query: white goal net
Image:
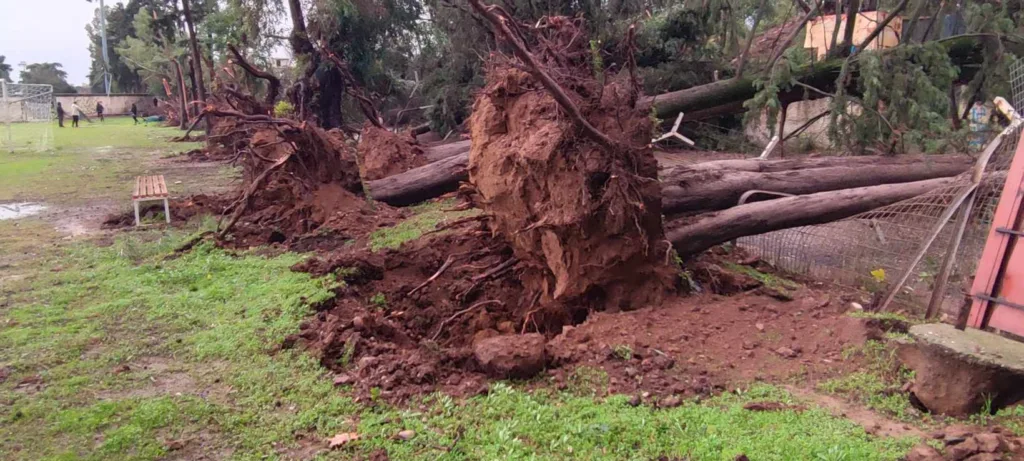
column 26, row 116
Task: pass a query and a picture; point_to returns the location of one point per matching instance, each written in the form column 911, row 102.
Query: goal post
column 26, row 116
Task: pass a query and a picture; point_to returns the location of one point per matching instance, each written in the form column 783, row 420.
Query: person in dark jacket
column 135, row 113
column 99, row 110
column 60, row 115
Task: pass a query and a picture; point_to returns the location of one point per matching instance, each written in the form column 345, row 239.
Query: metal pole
column 103, row 43
column 7, row 114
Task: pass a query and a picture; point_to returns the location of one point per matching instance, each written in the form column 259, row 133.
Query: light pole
column 103, row 44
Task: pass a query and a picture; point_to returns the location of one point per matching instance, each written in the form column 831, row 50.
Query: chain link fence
column 871, row 250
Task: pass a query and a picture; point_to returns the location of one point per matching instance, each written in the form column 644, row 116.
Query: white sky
column 47, row 31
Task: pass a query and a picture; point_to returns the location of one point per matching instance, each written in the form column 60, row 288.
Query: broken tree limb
column 710, row 229
column 768, row 166
column 687, row 191
column 274, row 83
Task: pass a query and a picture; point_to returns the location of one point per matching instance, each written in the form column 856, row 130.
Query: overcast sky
column 47, row 31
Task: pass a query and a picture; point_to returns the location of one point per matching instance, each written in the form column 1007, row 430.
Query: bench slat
column 149, row 187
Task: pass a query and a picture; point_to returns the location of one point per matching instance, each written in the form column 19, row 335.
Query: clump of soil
column 383, row 153
column 389, row 330
column 584, row 220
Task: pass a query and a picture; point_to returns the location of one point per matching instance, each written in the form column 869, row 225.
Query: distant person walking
column 99, row 110
column 135, row 113
column 75, row 111
column 60, row 115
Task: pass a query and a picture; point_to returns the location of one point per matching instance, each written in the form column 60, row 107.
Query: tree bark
column 423, row 183
column 273, row 83
column 183, row 92
column 197, row 58
column 708, row 230
column 713, row 185
column 689, row 191
column 851, row 22
column 727, row 96
column 437, row 153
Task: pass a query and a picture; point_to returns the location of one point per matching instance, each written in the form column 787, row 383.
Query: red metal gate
column 998, row 290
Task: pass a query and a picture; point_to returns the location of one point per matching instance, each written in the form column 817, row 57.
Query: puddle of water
column 19, row 210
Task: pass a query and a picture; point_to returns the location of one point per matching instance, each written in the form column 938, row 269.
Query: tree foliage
column 47, row 73
column 5, row 69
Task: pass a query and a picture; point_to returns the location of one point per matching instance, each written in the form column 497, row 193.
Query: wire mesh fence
column 26, row 116
column 872, row 249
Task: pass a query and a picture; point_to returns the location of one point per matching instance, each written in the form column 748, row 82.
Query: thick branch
column 758, row 218
column 275, row 83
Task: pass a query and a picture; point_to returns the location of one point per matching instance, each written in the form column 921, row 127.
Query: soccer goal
column 26, row 116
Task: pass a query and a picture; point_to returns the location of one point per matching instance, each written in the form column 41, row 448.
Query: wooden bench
column 150, row 189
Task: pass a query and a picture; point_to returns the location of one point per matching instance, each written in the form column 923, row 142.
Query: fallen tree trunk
column 437, row 153
column 434, row 179
column 419, row 184
column 768, row 166
column 696, row 190
column 707, row 230
column 727, row 96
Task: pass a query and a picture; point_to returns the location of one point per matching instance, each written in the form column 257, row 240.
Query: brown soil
column 584, row 220
column 376, row 335
column 383, row 153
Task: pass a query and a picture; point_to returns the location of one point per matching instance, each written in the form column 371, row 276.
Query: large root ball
column 584, row 220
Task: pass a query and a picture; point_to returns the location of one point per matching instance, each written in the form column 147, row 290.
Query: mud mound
column 584, row 220
column 389, row 330
column 383, row 153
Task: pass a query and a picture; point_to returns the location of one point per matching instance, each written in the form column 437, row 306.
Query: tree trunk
column 183, row 124
column 708, row 230
column 717, row 184
column 437, row 153
column 750, row 40
column 689, row 191
column 193, row 109
column 197, row 58
column 851, row 22
column 727, row 96
column 423, row 183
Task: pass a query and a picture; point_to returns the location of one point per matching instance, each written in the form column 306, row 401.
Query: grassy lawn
column 93, row 161
column 122, row 352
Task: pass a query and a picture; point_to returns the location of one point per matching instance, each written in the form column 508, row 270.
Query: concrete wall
column 115, row 104
column 819, row 31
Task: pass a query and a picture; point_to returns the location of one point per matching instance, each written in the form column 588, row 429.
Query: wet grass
column 86, row 333
column 426, row 217
column 122, row 351
column 93, row 161
column 879, row 384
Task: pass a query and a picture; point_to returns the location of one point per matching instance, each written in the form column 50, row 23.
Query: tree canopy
column 5, row 69
column 47, row 73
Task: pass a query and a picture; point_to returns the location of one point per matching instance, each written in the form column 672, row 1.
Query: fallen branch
column 447, row 263
column 441, row 326
column 272, row 80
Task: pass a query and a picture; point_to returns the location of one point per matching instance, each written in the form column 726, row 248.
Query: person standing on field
column 99, row 110
column 75, row 110
column 60, row 115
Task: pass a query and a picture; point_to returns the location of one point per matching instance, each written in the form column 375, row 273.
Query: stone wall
column 115, row 104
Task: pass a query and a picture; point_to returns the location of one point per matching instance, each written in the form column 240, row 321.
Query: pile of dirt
column 182, row 211
column 383, row 153
column 968, row 443
column 471, row 323
column 406, row 320
column 584, row 219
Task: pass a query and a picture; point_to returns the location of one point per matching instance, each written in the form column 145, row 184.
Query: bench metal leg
column 136, row 203
column 167, row 211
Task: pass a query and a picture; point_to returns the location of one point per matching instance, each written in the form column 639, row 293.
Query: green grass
column 217, row 319
column 425, row 218
column 780, row 285
column 878, row 385
column 95, row 160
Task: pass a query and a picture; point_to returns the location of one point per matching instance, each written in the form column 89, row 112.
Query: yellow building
column 819, row 31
